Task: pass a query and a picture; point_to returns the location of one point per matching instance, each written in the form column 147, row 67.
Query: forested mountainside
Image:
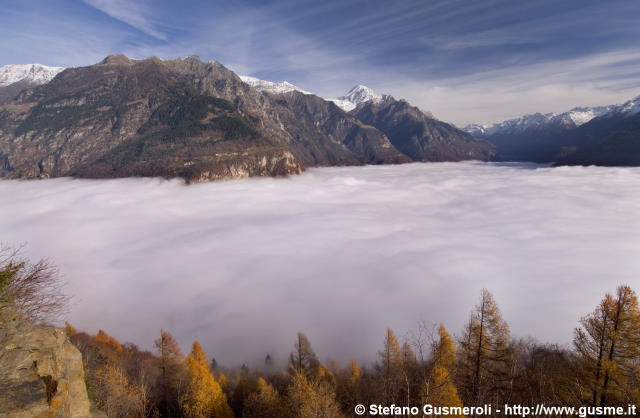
column 187, row 118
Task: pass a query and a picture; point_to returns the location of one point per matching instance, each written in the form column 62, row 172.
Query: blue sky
column 465, row 61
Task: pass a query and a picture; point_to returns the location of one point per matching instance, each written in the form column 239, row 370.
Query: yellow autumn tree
column 265, row 402
column 69, row 330
column 391, row 368
column 106, row 339
column 203, row 397
column 608, row 344
column 440, row 389
column 116, row 395
column 348, row 384
column 310, row 398
column 484, row 354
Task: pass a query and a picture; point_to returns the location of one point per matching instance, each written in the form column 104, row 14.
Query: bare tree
column 34, row 289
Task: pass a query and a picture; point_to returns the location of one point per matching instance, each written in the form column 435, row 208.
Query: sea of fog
column 338, row 253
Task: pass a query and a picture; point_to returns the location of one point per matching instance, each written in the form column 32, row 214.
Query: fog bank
column 338, row 253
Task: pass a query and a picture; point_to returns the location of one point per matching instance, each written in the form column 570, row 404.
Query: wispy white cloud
column 137, row 14
column 550, row 86
column 465, row 62
column 339, row 253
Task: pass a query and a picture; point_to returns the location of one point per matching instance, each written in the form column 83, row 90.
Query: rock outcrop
column 41, row 372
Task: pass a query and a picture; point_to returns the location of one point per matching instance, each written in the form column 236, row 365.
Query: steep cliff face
column 41, row 372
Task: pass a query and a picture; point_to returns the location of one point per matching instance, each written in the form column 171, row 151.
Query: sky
column 337, row 253
column 466, row 61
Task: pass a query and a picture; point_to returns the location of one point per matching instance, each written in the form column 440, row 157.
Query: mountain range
column 603, row 135
column 200, row 121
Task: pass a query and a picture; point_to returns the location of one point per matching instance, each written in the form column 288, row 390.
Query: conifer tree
column 203, row 396
column 69, row 330
column 311, row 399
column 264, row 403
column 391, row 368
column 303, row 359
column 116, row 394
column 268, row 364
column 440, row 390
column 106, row 339
column 608, row 343
column 484, row 353
column 348, row 385
column 172, row 373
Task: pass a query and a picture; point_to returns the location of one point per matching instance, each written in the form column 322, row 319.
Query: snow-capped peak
column 271, row 86
column 570, row 119
column 357, row 95
column 630, row 107
column 32, row 73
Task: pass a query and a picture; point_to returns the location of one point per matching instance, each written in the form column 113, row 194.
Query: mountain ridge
column 177, row 118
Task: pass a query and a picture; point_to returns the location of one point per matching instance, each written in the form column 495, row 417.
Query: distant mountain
column 271, row 86
column 554, row 137
column 419, row 135
column 358, row 95
column 32, row 73
column 610, row 140
column 16, row 77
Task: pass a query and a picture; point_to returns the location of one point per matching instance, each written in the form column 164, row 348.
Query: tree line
column 482, row 364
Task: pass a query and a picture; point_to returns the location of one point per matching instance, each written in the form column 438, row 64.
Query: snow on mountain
column 570, row 119
column 357, row 95
column 271, row 86
column 628, row 108
column 32, row 73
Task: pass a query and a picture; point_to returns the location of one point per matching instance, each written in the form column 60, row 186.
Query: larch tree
column 391, row 368
column 203, row 396
column 172, row 373
column 348, row 385
column 484, row 353
column 410, row 374
column 311, row 398
column 268, row 364
column 265, row 402
column 440, row 389
column 303, row 359
column 608, row 344
column 116, row 394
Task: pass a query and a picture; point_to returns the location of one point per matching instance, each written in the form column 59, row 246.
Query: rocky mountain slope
column 564, row 137
column 420, row 136
column 41, row 372
column 186, row 118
